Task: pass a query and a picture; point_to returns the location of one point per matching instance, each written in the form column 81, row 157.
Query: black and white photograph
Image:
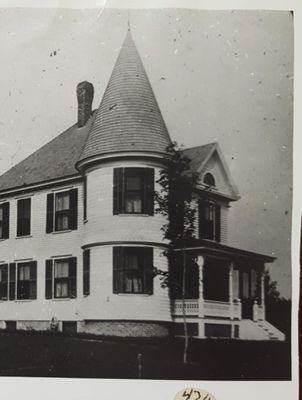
column 146, row 179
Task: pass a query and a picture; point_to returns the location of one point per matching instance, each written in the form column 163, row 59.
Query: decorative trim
column 163, row 157
column 45, row 184
column 62, row 256
column 62, row 189
column 124, row 243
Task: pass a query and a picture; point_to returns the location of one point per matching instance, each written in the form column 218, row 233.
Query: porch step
column 272, row 332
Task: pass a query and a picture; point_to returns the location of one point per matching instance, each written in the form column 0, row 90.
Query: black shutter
column 217, row 223
column 5, row 223
column 118, row 257
column 4, row 282
column 48, row 279
column 33, row 280
column 148, row 269
column 12, row 281
column 73, row 221
column 86, row 272
column 73, row 277
column 23, row 217
column 118, row 189
column 85, row 198
column 49, row 213
column 148, row 191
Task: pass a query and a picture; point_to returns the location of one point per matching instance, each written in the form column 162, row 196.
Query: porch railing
column 210, row 308
column 191, row 307
column 217, row 309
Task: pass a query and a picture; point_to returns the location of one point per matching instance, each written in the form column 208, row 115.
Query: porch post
column 262, row 294
column 231, row 300
column 200, row 262
column 231, row 269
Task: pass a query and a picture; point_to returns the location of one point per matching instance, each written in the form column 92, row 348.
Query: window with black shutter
column 132, row 270
column 62, row 211
column 209, row 221
column 23, row 217
column 4, row 220
column 86, row 272
column 133, row 191
column 3, row 281
column 60, row 278
column 27, row 280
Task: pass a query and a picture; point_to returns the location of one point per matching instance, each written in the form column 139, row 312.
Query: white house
column 79, row 235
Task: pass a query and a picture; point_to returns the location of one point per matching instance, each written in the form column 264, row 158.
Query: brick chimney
column 85, row 97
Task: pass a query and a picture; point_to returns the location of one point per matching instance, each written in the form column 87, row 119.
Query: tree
column 278, row 309
column 174, row 201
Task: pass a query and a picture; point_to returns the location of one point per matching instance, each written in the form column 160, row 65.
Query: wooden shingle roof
column 128, row 118
column 55, row 160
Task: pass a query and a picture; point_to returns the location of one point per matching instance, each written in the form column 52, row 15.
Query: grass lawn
column 56, row 355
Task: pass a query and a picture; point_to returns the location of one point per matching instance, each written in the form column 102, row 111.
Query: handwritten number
column 187, row 395
column 198, row 394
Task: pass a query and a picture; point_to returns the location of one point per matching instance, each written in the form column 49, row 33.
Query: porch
column 224, row 294
column 216, row 287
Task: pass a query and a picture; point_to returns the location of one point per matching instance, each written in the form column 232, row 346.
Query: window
column 4, row 220
column 209, row 179
column 133, row 191
column 86, row 272
column 18, row 281
column 23, row 217
column 27, row 280
column 132, row 270
column 61, row 278
column 62, row 211
column 209, row 221
column 3, row 281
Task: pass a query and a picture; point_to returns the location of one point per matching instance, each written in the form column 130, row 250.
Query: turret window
column 132, row 270
column 133, row 191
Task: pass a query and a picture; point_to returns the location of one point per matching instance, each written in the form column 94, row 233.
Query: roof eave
column 40, row 184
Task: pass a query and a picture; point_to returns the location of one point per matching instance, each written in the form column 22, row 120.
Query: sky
column 223, row 76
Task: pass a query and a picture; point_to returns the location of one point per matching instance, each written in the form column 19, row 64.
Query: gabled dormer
column 215, row 189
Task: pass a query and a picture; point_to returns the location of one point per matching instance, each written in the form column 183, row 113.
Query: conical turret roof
column 128, row 118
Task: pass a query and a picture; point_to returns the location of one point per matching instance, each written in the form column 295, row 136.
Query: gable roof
column 56, row 159
column 200, row 156
column 128, row 118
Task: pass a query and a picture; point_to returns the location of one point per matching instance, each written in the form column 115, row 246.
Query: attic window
column 209, row 179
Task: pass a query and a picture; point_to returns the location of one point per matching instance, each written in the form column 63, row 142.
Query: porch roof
column 208, row 247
